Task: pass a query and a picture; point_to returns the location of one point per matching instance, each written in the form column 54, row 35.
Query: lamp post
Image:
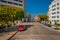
column 24, row 10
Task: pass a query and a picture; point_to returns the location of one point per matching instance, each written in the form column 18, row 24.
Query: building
column 15, row 3
column 54, row 11
column 41, row 18
column 37, row 19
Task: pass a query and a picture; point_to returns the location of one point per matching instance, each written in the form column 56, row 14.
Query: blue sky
column 37, row 7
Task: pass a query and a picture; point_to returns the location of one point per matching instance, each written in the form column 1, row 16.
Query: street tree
column 43, row 17
column 10, row 14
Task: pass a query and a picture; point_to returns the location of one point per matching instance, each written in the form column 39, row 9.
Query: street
column 36, row 31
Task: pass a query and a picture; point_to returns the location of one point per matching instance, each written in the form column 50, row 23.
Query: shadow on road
column 4, row 31
column 28, row 26
column 12, row 29
column 9, row 29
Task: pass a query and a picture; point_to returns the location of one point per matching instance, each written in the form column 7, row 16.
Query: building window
column 20, row 1
column 54, row 20
column 20, row 5
column 4, row 1
column 16, row 0
column 10, row 2
column 57, row 3
column 15, row 3
column 58, row 8
column 57, row 12
column 57, row 16
column 54, row 9
column 53, row 16
column 54, row 13
column 57, row 20
column 54, row 5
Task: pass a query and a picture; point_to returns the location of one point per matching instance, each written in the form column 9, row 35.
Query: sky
column 37, row 7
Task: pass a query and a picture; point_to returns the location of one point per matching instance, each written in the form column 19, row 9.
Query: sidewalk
column 5, row 36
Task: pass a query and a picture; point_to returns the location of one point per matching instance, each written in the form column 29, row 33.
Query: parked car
column 54, row 27
column 49, row 25
column 21, row 27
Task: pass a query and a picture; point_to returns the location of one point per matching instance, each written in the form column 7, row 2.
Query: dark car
column 21, row 27
column 49, row 25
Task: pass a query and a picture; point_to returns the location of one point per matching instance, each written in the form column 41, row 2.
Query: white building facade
column 15, row 3
column 54, row 11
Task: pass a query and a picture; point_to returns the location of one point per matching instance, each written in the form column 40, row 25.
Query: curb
column 12, row 35
column 50, row 28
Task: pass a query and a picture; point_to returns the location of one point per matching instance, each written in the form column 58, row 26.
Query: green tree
column 44, row 17
column 9, row 13
column 19, row 15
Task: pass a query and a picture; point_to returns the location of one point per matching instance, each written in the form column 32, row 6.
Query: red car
column 21, row 27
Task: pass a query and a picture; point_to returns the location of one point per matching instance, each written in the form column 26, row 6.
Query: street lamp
column 24, row 10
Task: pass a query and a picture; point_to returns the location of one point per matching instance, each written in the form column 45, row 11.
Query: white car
column 54, row 27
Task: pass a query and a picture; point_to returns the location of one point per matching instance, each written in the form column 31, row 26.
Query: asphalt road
column 36, row 31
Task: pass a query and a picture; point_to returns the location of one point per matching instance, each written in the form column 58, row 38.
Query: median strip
column 12, row 35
